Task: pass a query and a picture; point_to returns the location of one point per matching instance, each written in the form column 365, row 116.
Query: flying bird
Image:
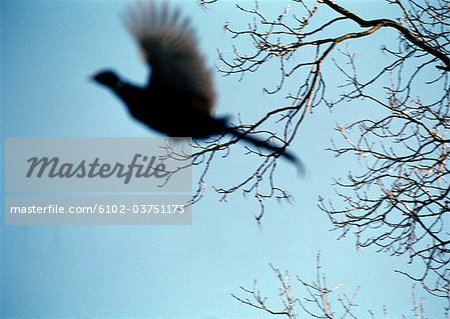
column 179, row 98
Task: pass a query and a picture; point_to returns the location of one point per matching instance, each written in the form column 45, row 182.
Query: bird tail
column 282, row 151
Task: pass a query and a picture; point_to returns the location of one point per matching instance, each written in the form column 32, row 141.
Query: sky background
column 48, row 51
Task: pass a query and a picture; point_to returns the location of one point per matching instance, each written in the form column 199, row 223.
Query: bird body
column 175, row 114
column 179, row 98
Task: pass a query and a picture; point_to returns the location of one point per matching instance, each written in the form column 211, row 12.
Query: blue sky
column 48, row 51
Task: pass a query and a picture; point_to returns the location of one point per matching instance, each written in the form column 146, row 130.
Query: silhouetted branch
column 316, row 303
column 316, row 299
column 398, row 198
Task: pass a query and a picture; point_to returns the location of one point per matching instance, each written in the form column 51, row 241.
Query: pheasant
column 179, row 98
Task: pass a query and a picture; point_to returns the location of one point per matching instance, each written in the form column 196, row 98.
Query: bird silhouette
column 179, row 98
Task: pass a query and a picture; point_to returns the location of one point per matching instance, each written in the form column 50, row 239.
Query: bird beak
column 91, row 78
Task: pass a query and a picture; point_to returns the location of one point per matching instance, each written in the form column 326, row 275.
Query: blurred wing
column 168, row 44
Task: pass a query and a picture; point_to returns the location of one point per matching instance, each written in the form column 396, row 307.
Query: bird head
column 106, row 77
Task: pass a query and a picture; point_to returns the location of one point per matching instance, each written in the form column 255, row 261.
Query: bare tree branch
column 397, row 200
